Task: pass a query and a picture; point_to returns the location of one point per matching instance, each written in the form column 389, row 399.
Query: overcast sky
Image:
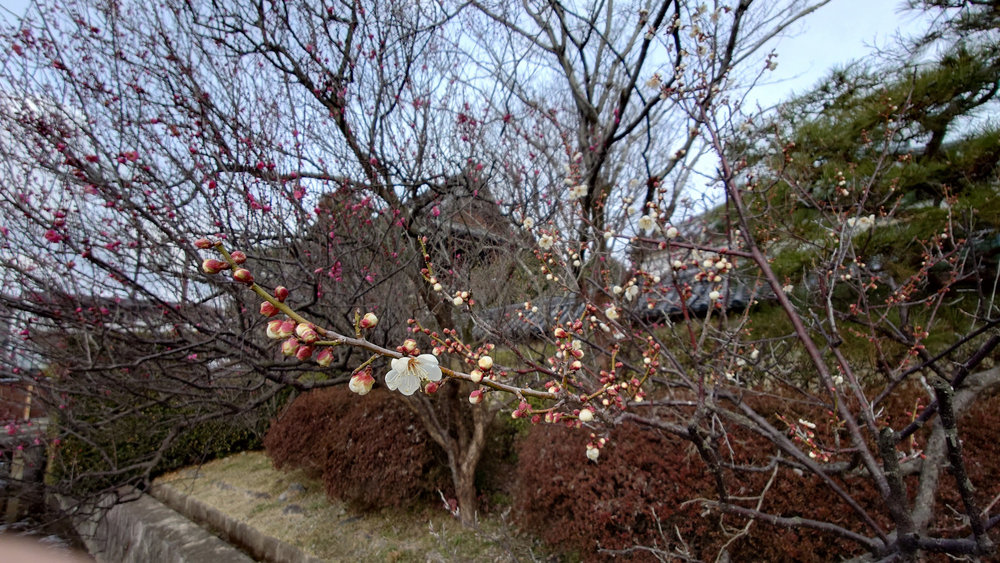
column 841, row 31
column 837, row 33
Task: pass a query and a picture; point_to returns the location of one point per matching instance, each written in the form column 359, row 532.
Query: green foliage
column 118, row 450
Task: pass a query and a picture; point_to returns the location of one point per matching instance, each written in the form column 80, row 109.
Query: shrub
column 371, row 451
column 574, row 504
column 84, row 467
column 577, row 505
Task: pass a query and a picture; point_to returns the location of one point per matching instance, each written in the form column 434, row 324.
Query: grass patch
column 292, row 507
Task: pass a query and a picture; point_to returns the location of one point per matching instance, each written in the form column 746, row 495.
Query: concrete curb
column 145, row 530
column 260, row 546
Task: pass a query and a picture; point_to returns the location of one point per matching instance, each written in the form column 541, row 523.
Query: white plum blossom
column 578, row 191
column 647, row 223
column 408, row 372
column 631, row 292
column 611, row 313
column 586, row 415
column 546, row 242
column 528, row 223
column 672, row 232
column 592, row 452
column 861, row 224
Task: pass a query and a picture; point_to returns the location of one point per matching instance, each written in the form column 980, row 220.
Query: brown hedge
column 370, row 451
column 579, row 506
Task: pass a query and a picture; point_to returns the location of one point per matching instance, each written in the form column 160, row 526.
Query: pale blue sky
column 835, row 34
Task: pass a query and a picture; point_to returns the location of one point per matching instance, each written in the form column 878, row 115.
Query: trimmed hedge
column 370, row 451
column 579, row 506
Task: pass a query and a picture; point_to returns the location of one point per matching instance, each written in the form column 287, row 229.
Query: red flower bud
column 431, row 387
column 243, row 275
column 476, row 397
column 306, row 333
column 560, row 332
column 281, row 293
column 287, row 328
column 361, row 383
column 369, row 320
column 268, row 309
column 213, row 266
column 238, row 256
column 203, row 243
column 324, row 357
column 304, row 353
column 290, row 347
column 274, row 330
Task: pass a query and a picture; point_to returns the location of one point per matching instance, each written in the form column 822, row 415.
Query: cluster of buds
column 713, row 270
column 594, row 447
column 277, row 330
column 523, row 409
column 409, row 347
column 298, row 338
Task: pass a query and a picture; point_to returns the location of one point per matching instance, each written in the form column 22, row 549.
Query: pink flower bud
column 476, row 397
column 586, row 415
column 274, row 330
column 560, row 332
column 290, row 347
column 243, row 275
column 304, row 353
column 576, row 365
column 431, row 387
column 476, row 375
column 306, row 333
column 485, row 362
column 203, row 243
column 324, row 357
column 238, row 256
column 409, row 345
column 268, row 309
column 281, row 293
column 369, row 320
column 361, row 383
column 213, row 266
column 287, row 328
